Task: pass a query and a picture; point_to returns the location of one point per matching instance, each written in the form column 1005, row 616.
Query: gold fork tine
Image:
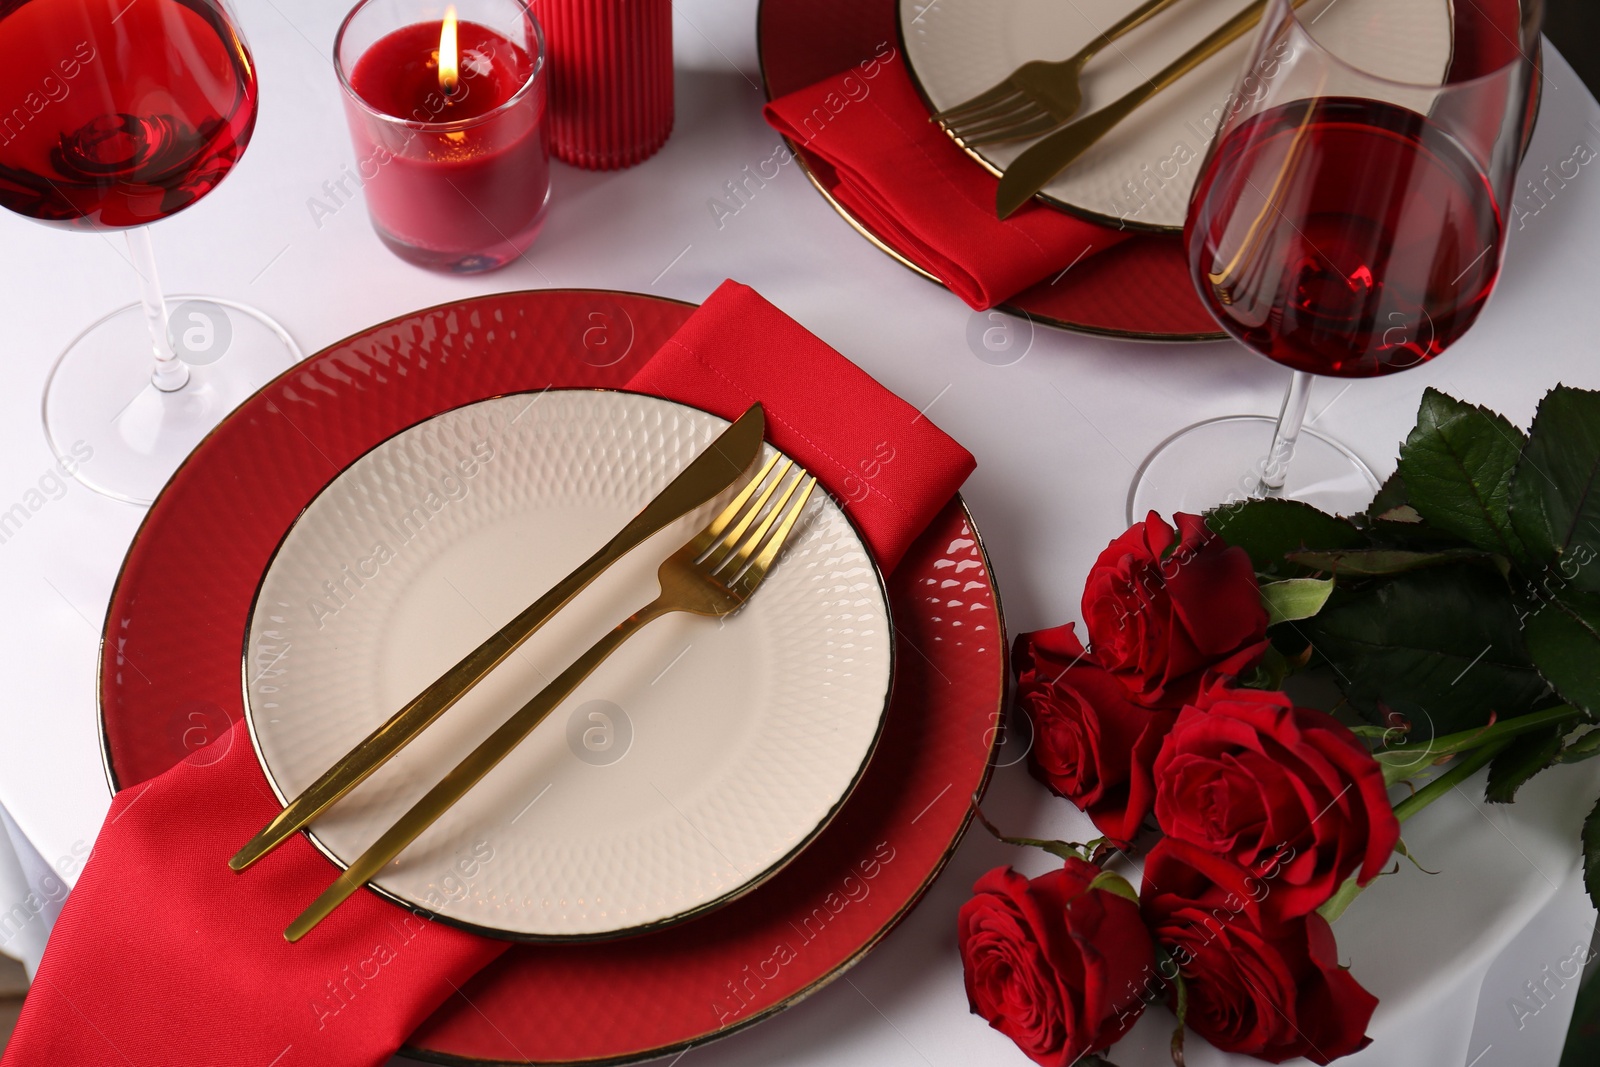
column 1017, row 116
column 716, row 554
column 996, row 101
column 714, row 528
column 758, row 570
column 992, row 95
column 751, row 543
column 1050, row 90
column 1002, row 132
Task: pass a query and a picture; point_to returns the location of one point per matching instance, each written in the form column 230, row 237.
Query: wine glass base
column 114, row 431
column 1220, row 461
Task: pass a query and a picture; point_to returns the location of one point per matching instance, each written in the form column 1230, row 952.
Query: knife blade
column 719, row 466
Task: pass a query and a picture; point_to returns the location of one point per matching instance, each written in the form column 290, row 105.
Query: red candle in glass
column 448, row 119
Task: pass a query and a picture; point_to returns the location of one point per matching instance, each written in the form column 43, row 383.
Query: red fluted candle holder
column 610, row 79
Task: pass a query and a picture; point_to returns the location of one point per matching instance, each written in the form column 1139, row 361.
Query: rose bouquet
column 1256, row 821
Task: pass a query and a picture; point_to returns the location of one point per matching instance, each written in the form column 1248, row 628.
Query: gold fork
column 1039, row 165
column 714, row 574
column 1038, row 96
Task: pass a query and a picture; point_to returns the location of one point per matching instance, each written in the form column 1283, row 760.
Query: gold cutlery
column 722, row 464
column 1038, row 96
column 1039, row 165
column 714, row 574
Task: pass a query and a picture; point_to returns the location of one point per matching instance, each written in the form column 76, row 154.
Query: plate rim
column 1076, row 210
column 915, row 898
column 526, row 937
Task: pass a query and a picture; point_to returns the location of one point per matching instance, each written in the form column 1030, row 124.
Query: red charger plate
column 169, row 683
column 1140, row 289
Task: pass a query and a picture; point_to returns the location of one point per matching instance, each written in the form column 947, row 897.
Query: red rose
column 1267, row 988
column 1052, row 964
column 1163, row 606
column 1091, row 744
column 1287, row 792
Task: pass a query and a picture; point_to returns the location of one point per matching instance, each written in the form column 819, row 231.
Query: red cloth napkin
column 902, row 175
column 890, row 467
column 163, row 957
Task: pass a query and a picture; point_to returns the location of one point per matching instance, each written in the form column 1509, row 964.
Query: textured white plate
column 693, row 763
column 1142, row 173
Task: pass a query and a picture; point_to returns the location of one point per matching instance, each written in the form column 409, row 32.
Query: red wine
column 117, row 113
column 1343, row 236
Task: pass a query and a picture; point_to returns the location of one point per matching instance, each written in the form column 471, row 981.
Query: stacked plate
column 755, row 801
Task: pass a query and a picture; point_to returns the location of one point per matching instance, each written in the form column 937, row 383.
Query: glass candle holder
column 447, row 110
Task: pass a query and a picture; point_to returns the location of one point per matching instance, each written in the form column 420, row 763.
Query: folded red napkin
column 163, row 957
column 903, row 176
column 889, row 466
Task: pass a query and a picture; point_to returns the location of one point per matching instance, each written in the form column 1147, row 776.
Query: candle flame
column 449, row 53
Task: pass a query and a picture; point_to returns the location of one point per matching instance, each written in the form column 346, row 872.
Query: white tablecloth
column 1057, row 436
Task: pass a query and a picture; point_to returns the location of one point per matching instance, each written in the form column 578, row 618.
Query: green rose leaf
column 1591, row 855
column 1524, row 758
column 1555, row 498
column 1270, row 529
column 1585, row 746
column 1112, row 882
column 1391, row 497
column 1440, row 646
column 1374, row 562
column 1564, row 641
column 1295, row 598
column 1457, row 466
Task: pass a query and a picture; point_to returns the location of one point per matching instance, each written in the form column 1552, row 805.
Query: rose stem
column 1469, row 765
column 1467, row 740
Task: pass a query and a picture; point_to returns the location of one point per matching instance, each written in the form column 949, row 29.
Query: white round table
column 1057, row 435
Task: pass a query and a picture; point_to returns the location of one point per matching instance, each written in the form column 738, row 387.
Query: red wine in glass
column 1348, row 222
column 119, row 112
column 115, row 114
column 1344, row 236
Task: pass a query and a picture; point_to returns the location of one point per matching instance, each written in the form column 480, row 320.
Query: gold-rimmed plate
column 684, row 771
column 1141, row 174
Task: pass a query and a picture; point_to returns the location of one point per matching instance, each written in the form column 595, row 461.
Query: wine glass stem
column 1275, row 471
column 171, row 373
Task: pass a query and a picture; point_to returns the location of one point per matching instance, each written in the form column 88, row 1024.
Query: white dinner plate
column 1141, row 174
column 692, row 764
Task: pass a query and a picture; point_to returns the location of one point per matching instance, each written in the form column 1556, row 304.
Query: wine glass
column 1345, row 224
column 127, row 111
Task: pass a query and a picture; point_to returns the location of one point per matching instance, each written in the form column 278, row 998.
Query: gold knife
column 722, row 464
column 1039, row 165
